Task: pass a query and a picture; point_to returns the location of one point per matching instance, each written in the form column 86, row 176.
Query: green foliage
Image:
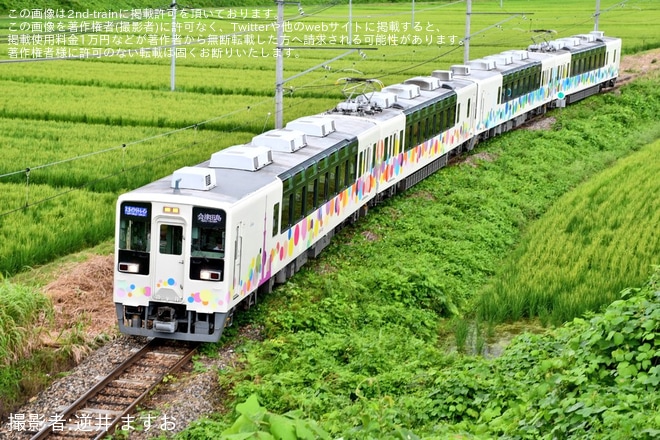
column 256, row 422
column 594, row 378
column 597, row 378
column 22, row 313
column 38, row 234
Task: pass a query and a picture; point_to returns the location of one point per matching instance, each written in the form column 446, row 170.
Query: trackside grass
column 593, row 242
column 359, row 340
column 22, row 313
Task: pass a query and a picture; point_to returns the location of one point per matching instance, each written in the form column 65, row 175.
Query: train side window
column 303, row 199
column 310, row 202
column 297, row 204
column 409, row 138
column 350, row 170
column 332, row 181
column 323, row 187
column 467, row 113
column 287, row 211
column 341, row 182
column 276, row 218
column 415, row 134
column 458, row 113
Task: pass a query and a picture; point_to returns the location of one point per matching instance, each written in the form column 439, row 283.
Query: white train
column 192, row 247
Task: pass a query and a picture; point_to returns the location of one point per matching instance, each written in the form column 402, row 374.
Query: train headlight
column 129, row 267
column 210, row 275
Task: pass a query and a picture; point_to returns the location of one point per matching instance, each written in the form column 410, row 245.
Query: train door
column 169, row 267
column 238, row 255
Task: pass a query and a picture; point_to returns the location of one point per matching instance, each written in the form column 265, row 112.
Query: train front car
column 180, row 244
column 170, row 269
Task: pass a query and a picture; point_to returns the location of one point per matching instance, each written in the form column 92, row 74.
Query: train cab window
column 208, row 244
column 208, row 233
column 135, row 227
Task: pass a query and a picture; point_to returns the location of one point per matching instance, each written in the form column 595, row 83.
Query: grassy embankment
column 360, row 340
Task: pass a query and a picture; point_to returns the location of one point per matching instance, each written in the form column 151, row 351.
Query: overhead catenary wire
column 124, row 170
column 123, row 146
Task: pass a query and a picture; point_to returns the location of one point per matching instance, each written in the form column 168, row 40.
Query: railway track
column 109, row 404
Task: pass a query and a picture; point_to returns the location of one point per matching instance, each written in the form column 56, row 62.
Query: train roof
column 230, row 184
column 574, row 44
column 235, row 172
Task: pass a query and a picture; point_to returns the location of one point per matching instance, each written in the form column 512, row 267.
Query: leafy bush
column 255, row 422
column 592, row 378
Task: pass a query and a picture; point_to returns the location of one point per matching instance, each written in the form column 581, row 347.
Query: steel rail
column 64, row 427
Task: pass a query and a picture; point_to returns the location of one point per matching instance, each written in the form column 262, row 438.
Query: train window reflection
column 171, row 239
column 208, row 242
column 135, row 226
column 134, row 235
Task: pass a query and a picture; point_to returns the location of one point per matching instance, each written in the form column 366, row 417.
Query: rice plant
column 601, row 237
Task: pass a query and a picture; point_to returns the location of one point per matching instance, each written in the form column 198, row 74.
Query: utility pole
column 412, row 18
column 466, row 41
column 350, row 22
column 279, row 62
column 597, row 15
column 173, row 54
column 279, row 66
